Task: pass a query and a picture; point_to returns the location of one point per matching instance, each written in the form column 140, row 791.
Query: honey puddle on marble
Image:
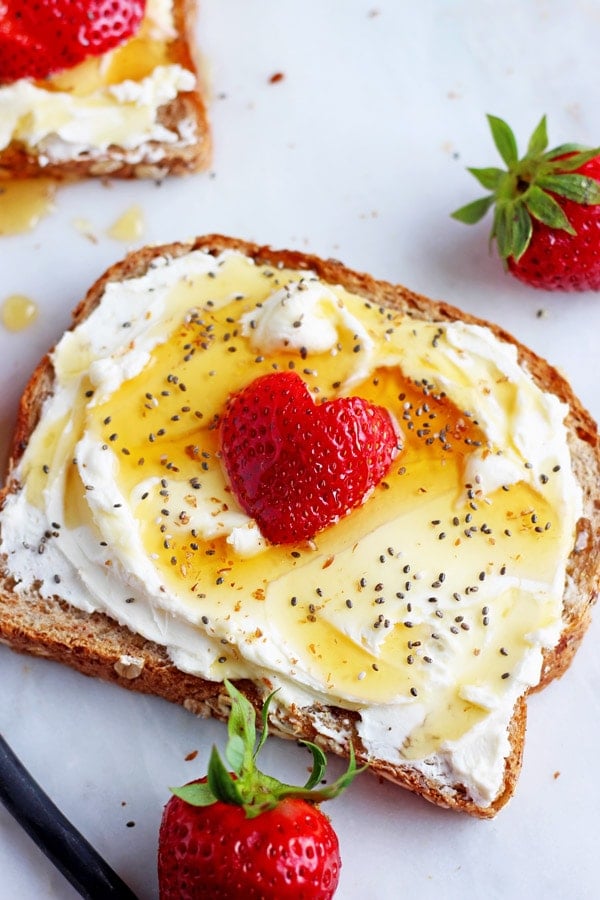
column 129, row 226
column 24, row 202
column 18, row 312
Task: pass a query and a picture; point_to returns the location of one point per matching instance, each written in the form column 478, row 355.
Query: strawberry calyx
column 246, row 785
column 529, row 187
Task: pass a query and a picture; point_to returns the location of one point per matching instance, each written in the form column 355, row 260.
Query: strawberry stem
column 248, row 787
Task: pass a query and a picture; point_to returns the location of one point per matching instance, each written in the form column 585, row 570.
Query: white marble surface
column 359, row 152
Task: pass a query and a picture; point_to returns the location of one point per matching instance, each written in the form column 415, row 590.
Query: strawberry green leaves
column 579, row 188
column 530, row 188
column 538, row 140
column 505, row 140
column 248, row 787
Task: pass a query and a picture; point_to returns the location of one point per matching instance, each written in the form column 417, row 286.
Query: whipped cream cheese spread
column 426, row 611
column 64, row 124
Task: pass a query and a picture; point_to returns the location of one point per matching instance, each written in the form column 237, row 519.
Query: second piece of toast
column 136, row 111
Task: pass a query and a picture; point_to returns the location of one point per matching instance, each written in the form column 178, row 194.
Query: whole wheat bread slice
column 96, row 645
column 186, row 116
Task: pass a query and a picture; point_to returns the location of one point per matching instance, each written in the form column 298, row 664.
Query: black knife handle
column 62, row 843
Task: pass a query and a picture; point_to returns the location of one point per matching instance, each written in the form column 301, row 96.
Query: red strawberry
column 245, row 835
column 547, row 210
column 297, row 467
column 40, row 37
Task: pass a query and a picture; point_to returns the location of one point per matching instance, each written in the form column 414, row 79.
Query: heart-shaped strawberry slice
column 295, row 466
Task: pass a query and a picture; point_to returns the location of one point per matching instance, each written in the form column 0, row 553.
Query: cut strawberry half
column 46, row 36
column 295, row 466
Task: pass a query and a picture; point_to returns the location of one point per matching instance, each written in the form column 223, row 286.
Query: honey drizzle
column 348, row 614
column 133, row 60
column 23, row 202
column 154, row 426
column 129, row 226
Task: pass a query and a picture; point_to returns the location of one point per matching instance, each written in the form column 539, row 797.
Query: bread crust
column 180, row 158
column 96, row 645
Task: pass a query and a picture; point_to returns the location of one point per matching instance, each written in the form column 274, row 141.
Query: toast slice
column 151, row 117
column 42, row 613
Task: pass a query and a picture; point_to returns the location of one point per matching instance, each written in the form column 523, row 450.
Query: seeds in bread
column 218, row 292
column 150, row 115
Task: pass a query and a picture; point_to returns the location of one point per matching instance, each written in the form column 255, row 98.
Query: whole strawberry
column 296, row 466
column 547, row 210
column 40, row 37
column 244, row 835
